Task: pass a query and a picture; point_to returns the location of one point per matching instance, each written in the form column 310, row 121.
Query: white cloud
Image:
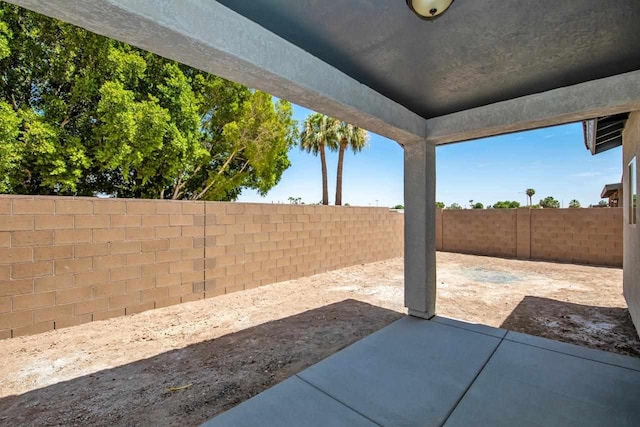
column 586, row 174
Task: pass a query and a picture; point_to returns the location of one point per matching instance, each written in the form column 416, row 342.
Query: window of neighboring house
column 633, row 192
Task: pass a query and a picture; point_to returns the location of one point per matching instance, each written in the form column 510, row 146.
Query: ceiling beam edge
column 596, row 98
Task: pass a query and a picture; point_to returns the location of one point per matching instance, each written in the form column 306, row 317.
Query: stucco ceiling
column 477, row 53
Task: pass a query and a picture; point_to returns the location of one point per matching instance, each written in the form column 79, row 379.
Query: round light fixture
column 429, row 9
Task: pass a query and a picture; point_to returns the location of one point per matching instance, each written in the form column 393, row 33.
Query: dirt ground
column 181, row 365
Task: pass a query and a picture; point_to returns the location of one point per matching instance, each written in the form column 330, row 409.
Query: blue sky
column 553, row 161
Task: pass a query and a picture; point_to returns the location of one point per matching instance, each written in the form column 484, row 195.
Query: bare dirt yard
column 181, row 365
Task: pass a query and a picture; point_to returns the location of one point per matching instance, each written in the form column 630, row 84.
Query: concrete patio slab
column 447, row 372
column 576, row 350
column 291, row 403
column 412, row 372
column 531, row 386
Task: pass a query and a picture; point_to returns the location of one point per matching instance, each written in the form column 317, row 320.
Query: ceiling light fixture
column 429, row 9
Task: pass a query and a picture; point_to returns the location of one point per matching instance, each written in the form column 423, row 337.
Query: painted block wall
column 67, row 261
column 584, row 236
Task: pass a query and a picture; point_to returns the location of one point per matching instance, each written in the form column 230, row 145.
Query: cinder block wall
column 67, row 261
column 485, row 232
column 588, row 236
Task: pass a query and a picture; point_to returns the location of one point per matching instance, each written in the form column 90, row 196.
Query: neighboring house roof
column 609, row 189
column 604, row 133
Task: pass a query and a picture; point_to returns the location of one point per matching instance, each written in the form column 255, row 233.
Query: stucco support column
column 420, row 229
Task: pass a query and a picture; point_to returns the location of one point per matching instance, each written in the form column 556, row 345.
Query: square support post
column 420, row 229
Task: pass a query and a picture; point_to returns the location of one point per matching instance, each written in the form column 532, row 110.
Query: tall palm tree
column 530, row 192
column 348, row 136
column 318, row 133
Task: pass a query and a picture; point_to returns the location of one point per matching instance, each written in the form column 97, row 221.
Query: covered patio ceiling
column 484, row 67
column 477, row 53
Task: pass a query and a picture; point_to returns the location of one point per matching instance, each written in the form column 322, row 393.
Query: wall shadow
column 222, row 372
column 534, row 260
column 602, row 328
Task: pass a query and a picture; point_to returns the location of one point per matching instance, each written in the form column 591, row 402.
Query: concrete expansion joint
column 340, row 402
column 453, row 409
column 571, row 354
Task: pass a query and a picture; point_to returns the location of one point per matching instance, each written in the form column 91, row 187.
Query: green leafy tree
column 439, row 205
column 11, row 152
column 507, row 204
column 454, row 206
column 82, row 114
column 549, row 203
column 398, row 207
column 318, row 134
column 348, row 136
column 251, row 151
column 603, row 203
column 574, row 204
column 5, row 37
column 530, row 193
column 478, row 205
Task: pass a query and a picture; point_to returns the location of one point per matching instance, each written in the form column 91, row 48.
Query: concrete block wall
column 67, row 261
column 483, row 232
column 587, row 236
column 523, row 233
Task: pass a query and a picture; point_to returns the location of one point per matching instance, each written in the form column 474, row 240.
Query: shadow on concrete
column 603, row 328
column 222, row 373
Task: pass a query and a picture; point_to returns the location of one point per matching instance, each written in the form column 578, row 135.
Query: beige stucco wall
column 631, row 148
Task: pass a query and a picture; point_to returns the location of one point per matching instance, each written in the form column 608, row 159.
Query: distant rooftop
column 610, row 189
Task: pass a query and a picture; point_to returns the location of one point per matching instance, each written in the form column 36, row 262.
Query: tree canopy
column 530, row 193
column 575, row 204
column 348, row 136
column 318, row 134
column 507, row 204
column 321, row 133
column 549, row 202
column 82, row 114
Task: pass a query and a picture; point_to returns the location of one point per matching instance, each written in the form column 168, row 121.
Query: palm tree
column 530, row 192
column 348, row 136
column 319, row 132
